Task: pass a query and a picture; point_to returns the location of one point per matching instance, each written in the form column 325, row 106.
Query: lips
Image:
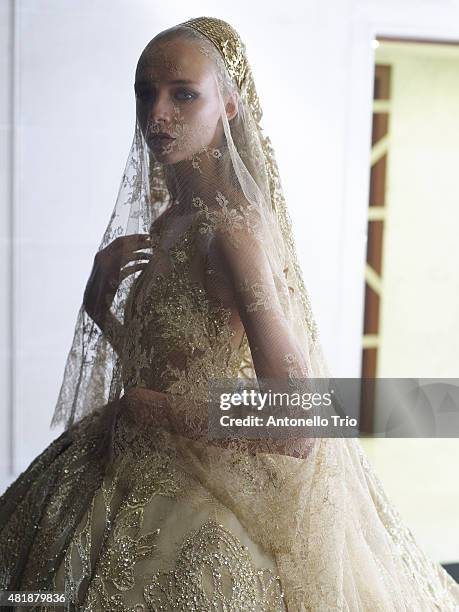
column 161, row 137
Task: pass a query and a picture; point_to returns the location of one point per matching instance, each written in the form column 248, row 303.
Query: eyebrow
column 175, row 82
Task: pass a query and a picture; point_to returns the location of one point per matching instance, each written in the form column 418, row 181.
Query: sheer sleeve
column 243, row 273
column 114, row 332
column 241, row 259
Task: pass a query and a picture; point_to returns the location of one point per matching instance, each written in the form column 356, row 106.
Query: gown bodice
column 177, row 337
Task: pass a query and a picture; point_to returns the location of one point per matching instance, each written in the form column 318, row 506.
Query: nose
column 162, row 109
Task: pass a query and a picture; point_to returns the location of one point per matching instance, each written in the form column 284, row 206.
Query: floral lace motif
column 214, row 571
column 175, row 336
column 176, row 339
column 104, row 565
column 226, row 217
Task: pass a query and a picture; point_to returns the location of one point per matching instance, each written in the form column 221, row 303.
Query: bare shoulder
column 228, row 217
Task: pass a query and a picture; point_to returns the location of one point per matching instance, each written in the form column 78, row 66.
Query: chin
column 163, row 159
column 166, row 158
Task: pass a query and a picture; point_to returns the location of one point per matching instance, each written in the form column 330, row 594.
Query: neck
column 202, row 175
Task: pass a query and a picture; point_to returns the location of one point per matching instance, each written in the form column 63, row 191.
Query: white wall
column 6, row 277
column 313, row 64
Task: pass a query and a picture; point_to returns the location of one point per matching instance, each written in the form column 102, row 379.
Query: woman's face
column 177, row 101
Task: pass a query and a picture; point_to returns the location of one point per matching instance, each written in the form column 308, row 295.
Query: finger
column 126, row 248
column 134, row 257
column 127, row 271
column 132, row 241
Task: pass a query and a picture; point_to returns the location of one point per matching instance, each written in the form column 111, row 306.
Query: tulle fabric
column 222, row 296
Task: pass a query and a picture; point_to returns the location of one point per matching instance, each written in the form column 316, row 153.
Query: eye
column 145, row 94
column 184, row 95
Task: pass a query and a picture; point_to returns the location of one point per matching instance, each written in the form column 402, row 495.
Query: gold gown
column 111, row 514
column 145, row 535
column 129, row 515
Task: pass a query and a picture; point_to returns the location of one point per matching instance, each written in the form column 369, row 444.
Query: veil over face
column 177, row 96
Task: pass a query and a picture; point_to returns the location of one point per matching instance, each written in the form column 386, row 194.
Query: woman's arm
column 147, row 407
column 275, row 350
column 113, row 330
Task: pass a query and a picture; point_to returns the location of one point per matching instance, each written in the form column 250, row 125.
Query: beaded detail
column 214, row 571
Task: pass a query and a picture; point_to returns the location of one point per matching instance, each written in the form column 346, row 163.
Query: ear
column 231, row 106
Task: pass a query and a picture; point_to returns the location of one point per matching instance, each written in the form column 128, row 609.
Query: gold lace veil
column 92, row 373
column 323, row 514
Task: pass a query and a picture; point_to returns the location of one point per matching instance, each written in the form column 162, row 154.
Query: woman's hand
column 108, row 272
column 148, row 407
